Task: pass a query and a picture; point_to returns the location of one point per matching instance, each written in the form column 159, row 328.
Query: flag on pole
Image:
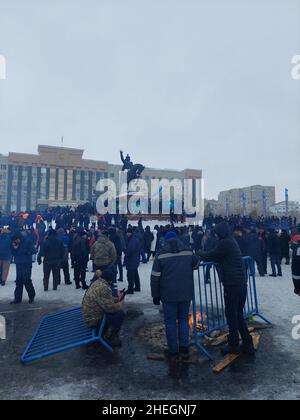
column 264, row 201
column 244, row 201
column 286, row 202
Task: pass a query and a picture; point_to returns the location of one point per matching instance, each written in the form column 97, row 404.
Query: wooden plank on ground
column 224, row 338
column 230, row 358
column 224, row 363
column 260, row 326
column 256, row 340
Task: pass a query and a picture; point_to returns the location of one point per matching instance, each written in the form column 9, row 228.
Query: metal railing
column 208, row 303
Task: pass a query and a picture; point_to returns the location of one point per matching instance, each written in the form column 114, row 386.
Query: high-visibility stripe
column 296, row 277
column 178, row 254
column 156, row 274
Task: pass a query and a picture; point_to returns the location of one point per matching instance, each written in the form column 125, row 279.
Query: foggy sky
column 175, row 83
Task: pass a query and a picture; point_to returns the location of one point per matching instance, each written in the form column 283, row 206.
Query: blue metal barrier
column 60, row 332
column 209, row 306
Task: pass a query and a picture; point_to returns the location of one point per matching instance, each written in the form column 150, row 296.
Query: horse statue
column 134, row 171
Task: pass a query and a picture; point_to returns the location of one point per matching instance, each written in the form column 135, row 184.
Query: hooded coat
column 5, row 247
column 133, row 253
column 172, row 277
column 103, row 252
column 228, row 256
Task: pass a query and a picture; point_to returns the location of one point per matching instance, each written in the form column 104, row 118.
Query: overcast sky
column 175, row 83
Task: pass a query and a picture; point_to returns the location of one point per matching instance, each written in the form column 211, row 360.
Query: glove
column 156, row 301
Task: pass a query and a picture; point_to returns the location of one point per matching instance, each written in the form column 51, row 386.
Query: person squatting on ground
column 229, row 257
column 99, row 301
column 53, row 252
column 22, row 251
column 172, row 283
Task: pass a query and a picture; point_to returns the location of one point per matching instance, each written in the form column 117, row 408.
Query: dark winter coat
column 132, row 254
column 172, row 278
column 229, row 257
column 241, row 241
column 254, row 246
column 148, row 238
column 52, row 250
column 5, row 247
column 23, row 254
column 273, row 243
column 80, row 249
column 285, row 240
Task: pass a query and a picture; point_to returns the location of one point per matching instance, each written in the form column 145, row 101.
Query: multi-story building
column 60, row 176
column 279, row 209
column 256, row 198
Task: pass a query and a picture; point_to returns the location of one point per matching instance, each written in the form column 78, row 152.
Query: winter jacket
column 254, row 246
column 172, row 277
column 115, row 239
column 229, row 257
column 273, row 244
column 132, row 254
column 97, row 301
column 148, row 238
column 80, row 249
column 66, row 242
column 23, row 253
column 52, row 250
column 285, row 244
column 5, row 247
column 103, row 252
column 296, row 262
column 242, row 243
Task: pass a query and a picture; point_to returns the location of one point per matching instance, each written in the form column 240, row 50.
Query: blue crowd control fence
column 209, row 306
column 62, row 331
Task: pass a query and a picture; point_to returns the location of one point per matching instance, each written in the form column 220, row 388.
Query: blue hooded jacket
column 5, row 247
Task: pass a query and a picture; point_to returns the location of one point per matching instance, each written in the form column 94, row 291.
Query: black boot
column 113, row 337
column 184, row 353
column 172, row 357
column 248, row 350
column 230, row 350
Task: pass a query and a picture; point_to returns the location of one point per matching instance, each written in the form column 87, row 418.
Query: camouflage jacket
column 97, row 301
column 103, row 252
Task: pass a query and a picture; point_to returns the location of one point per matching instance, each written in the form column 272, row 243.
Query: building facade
column 255, row 199
column 279, row 209
column 59, row 176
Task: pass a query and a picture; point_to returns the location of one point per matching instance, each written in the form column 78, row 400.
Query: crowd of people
column 63, row 239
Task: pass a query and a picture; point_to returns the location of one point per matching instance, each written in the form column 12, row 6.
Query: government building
column 59, row 176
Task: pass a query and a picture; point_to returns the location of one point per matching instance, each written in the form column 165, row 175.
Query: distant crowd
column 64, row 240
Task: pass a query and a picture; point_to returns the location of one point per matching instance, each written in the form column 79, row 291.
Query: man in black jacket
column 22, row 251
column 273, row 244
column 53, row 252
column 172, row 283
column 80, row 252
column 229, row 258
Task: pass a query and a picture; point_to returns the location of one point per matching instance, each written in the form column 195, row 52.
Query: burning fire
column 201, row 324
